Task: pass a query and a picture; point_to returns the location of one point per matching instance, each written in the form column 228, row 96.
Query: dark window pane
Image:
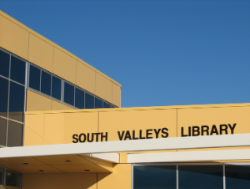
column 34, row 80
column 3, row 129
column 4, row 83
column 12, row 179
column 89, row 101
column 98, row 103
column 201, row 177
column 4, row 64
column 69, row 93
column 237, row 176
column 15, row 134
column 79, row 99
column 1, row 176
column 56, row 88
column 106, row 105
column 16, row 102
column 17, row 72
column 46, row 83
column 154, row 177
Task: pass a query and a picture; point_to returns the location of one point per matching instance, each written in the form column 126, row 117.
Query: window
column 16, row 101
column 4, row 84
column 17, row 71
column 3, row 130
column 12, row 179
column 89, row 101
column 15, row 133
column 98, row 103
column 4, row 64
column 34, row 81
column 56, row 88
column 69, row 94
column 79, row 98
column 1, row 176
column 46, row 83
column 106, row 105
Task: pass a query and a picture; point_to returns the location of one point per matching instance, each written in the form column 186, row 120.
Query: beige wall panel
column 13, row 38
column 31, row 138
column 40, row 53
column 120, row 178
column 37, row 102
column 59, row 181
column 60, row 106
column 116, row 95
column 215, row 116
column 103, row 87
column 77, row 123
column 35, row 123
column 85, row 77
column 54, row 128
column 64, row 66
column 115, row 121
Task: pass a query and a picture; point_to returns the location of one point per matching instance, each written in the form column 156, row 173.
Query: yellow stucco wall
column 31, row 46
column 58, row 127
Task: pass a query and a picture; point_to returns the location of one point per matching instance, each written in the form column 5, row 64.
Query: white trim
column 235, row 140
column 111, row 157
column 213, row 155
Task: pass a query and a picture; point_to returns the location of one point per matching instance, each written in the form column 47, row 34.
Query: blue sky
column 162, row 52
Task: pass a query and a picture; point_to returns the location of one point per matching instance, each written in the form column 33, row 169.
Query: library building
column 62, row 126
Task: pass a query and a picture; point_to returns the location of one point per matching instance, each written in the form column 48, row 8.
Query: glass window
column 4, row 64
column 98, row 103
column 16, row 102
column 15, row 134
column 89, row 101
column 56, row 88
column 34, row 80
column 201, row 177
column 154, row 177
column 4, row 86
column 46, row 83
column 17, row 71
column 3, row 129
column 106, row 105
column 12, row 179
column 69, row 93
column 79, row 98
column 1, row 176
column 237, row 176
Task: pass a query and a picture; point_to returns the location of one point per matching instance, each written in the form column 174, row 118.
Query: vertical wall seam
column 28, row 54
column 176, row 124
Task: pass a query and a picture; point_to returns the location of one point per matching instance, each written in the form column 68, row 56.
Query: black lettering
column 92, row 137
column 97, row 136
column 127, row 136
column 75, row 137
column 148, row 132
column 120, row 135
column 80, row 137
column 141, row 135
column 157, row 132
column 232, row 127
column 189, row 131
column 204, row 128
column 214, row 130
column 134, row 138
column 223, row 127
column 165, row 132
column 182, row 130
column 104, row 136
column 196, row 131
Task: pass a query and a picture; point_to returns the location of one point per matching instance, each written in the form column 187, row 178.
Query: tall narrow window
column 56, row 87
column 3, row 130
column 34, row 80
column 15, row 134
column 98, row 103
column 4, row 88
column 12, row 179
column 4, row 64
column 69, row 94
column 17, row 71
column 46, row 83
column 89, row 101
column 79, row 98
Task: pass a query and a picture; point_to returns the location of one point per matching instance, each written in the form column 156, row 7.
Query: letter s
column 165, row 132
column 75, row 136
